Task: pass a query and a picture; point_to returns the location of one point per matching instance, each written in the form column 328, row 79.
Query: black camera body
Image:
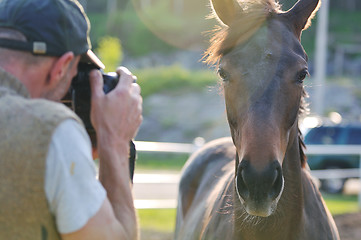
column 78, row 99
column 79, row 94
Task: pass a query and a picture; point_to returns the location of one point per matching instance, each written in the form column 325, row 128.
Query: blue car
column 339, row 135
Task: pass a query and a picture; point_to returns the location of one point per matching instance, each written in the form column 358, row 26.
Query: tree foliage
column 110, row 52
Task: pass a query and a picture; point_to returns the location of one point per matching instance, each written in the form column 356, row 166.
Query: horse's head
column 262, row 65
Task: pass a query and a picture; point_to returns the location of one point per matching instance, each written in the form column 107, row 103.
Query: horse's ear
column 302, row 13
column 226, row 10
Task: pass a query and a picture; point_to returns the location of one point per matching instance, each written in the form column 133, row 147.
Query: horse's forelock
column 254, row 14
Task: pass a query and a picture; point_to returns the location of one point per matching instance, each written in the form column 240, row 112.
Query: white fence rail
column 336, row 173
column 143, row 146
column 165, row 147
column 334, row 149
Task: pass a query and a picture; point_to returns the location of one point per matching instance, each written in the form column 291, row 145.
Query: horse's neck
column 293, row 195
column 289, row 210
column 292, row 166
column 292, row 171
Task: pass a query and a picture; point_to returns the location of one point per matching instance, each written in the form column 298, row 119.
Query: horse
column 256, row 184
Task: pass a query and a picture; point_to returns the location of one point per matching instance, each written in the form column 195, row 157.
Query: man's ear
column 59, row 69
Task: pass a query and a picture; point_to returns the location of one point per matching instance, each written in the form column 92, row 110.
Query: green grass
column 340, row 204
column 160, row 161
column 162, row 220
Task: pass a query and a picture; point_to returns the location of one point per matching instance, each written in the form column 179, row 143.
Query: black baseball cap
column 51, row 28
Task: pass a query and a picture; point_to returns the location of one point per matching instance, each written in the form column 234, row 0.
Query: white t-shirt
column 74, row 194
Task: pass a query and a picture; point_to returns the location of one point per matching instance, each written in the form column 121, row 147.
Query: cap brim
column 90, row 57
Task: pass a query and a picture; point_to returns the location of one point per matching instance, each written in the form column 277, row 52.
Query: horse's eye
column 223, row 74
column 302, row 75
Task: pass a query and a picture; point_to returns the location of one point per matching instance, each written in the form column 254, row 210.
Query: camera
column 78, row 99
column 79, row 94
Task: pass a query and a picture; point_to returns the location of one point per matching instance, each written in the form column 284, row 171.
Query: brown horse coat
column 207, row 209
column 256, row 185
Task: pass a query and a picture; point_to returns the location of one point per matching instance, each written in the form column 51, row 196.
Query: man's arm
column 116, row 117
column 104, row 225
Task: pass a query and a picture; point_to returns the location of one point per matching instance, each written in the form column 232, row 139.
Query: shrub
column 173, row 79
column 110, row 52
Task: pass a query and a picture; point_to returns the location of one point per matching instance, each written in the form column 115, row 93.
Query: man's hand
column 117, row 115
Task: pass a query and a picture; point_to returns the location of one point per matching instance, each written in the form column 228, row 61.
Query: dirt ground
column 349, row 226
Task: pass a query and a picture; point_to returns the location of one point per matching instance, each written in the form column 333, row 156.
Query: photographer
column 48, row 185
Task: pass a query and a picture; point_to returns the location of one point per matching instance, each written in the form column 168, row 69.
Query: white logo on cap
column 39, row 48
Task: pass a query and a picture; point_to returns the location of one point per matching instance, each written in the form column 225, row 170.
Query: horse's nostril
column 254, row 184
column 241, row 185
column 275, row 176
column 277, row 183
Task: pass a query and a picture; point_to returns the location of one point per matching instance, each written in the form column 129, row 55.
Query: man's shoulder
column 40, row 111
column 45, row 108
column 51, row 112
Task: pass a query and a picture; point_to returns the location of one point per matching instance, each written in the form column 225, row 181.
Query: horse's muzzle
column 259, row 191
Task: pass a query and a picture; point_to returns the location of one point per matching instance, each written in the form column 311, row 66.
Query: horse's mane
column 302, row 111
column 254, row 14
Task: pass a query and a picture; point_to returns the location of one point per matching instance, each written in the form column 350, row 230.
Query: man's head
column 42, row 42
